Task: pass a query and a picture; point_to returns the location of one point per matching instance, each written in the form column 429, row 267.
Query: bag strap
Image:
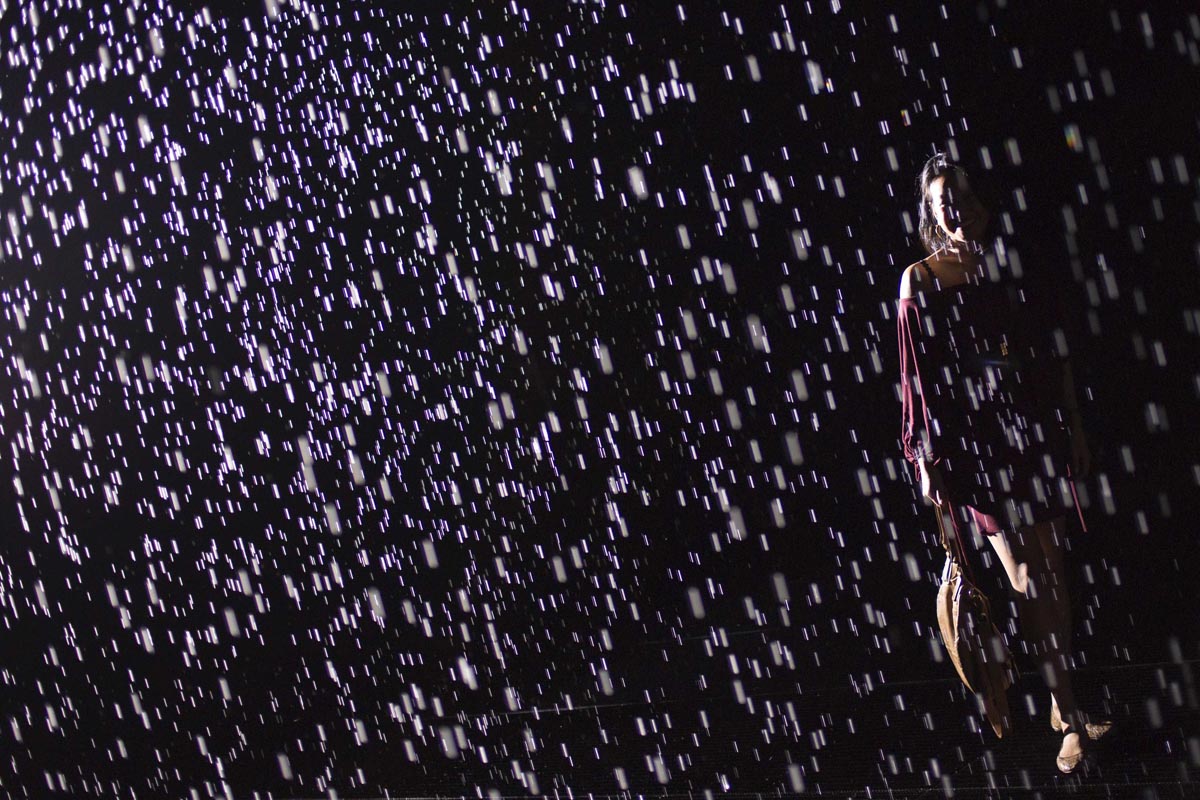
column 941, row 523
column 955, row 551
column 924, row 262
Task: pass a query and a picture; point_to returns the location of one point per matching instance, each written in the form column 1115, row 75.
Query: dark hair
column 938, row 166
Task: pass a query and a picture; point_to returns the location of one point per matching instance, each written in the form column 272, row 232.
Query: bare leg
column 1050, row 539
column 1035, row 572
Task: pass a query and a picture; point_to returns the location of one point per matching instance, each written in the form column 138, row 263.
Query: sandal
column 1067, row 763
column 1095, row 730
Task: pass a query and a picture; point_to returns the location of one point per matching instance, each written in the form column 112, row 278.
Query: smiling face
column 956, row 210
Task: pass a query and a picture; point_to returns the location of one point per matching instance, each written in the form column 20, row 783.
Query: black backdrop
column 503, row 398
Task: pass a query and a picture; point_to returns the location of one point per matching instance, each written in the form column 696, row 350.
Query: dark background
column 592, row 506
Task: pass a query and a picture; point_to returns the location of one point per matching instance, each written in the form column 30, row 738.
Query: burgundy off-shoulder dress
column 983, row 401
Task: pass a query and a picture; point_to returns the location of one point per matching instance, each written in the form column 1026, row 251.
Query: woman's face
column 956, row 209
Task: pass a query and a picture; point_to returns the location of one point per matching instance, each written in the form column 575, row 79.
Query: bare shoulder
column 913, row 280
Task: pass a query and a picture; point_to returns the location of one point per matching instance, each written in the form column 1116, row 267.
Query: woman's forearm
column 1069, row 398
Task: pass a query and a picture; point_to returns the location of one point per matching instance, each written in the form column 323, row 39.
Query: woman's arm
column 1070, row 398
column 917, row 433
column 1081, row 455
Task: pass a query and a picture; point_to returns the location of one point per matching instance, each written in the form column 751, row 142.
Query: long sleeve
column 918, row 428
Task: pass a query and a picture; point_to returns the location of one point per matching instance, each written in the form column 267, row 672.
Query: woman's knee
column 1014, row 552
column 1018, row 579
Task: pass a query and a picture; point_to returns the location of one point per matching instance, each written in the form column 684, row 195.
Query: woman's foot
column 1070, row 755
column 1095, row 730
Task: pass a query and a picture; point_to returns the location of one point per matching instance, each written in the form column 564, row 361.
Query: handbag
column 977, row 650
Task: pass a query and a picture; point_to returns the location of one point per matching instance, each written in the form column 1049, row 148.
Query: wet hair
column 938, row 166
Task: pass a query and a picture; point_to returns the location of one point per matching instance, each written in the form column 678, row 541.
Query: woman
column 986, row 412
